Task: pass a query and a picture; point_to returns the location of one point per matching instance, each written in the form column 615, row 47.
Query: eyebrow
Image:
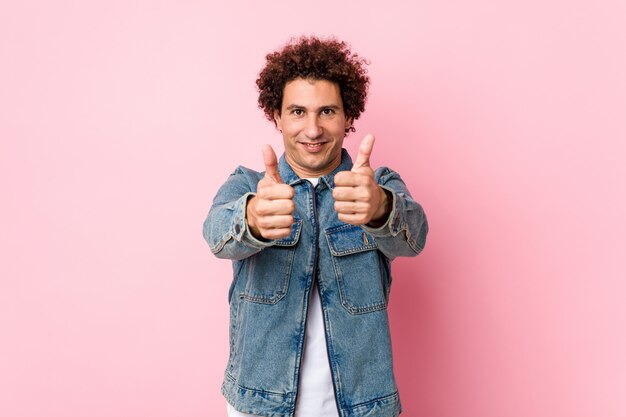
column 297, row 106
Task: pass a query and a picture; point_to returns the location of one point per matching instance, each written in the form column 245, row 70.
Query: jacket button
column 237, row 228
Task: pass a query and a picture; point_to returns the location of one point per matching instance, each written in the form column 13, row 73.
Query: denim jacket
column 272, row 281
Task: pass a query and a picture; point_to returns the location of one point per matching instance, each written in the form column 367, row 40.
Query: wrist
column 251, row 218
column 384, row 208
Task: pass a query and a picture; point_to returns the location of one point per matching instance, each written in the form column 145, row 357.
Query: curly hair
column 313, row 58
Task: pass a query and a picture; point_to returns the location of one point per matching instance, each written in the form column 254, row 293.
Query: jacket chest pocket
column 268, row 272
column 362, row 276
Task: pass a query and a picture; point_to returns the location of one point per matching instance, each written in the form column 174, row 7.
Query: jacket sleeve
column 225, row 228
column 404, row 232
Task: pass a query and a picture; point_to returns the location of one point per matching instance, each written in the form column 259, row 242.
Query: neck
column 304, row 173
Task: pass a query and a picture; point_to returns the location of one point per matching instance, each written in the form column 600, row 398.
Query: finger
column 350, row 179
column 275, row 191
column 273, row 207
column 275, row 222
column 271, row 165
column 356, row 219
column 351, row 207
column 273, row 234
column 365, row 151
column 351, row 194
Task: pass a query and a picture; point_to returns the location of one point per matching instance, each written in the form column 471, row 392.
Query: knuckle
column 262, row 208
column 347, row 178
column 284, row 188
column 269, row 191
column 342, row 194
column 279, row 233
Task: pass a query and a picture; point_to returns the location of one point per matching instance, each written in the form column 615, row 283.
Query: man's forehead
column 303, row 92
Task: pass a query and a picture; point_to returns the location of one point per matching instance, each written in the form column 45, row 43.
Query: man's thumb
column 365, row 150
column 271, row 165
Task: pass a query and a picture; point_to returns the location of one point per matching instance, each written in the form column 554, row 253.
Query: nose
column 313, row 129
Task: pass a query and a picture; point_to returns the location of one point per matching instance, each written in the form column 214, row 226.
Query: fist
column 358, row 199
column 270, row 211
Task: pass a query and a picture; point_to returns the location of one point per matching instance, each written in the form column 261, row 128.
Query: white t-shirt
column 316, row 396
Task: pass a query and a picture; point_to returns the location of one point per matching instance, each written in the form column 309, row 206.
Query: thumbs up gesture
column 270, row 211
column 358, row 199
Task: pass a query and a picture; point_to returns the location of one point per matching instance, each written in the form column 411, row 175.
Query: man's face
column 313, row 124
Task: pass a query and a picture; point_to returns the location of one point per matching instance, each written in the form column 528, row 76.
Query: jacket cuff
column 395, row 222
column 239, row 227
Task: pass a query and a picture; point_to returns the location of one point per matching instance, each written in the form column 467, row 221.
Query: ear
column 277, row 120
column 348, row 123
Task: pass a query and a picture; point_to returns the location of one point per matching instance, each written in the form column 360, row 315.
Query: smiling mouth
column 313, row 147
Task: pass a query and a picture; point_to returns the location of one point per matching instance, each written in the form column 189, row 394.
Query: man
column 311, row 241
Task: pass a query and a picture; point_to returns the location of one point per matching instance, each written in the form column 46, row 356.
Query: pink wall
column 119, row 120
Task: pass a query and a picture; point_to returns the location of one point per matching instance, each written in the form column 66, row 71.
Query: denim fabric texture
column 269, row 293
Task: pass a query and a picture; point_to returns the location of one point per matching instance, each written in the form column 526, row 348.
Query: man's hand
column 358, row 199
column 270, row 211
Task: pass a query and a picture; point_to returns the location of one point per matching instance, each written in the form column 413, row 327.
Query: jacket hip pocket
column 362, row 275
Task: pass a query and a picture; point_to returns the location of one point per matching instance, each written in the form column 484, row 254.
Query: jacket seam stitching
column 234, row 382
column 380, row 399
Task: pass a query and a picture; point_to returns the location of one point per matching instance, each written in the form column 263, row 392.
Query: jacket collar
column 290, row 177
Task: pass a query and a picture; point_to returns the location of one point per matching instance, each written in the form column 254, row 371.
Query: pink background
column 119, row 120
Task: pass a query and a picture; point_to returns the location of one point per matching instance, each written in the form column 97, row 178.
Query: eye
column 297, row 112
column 328, row 112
